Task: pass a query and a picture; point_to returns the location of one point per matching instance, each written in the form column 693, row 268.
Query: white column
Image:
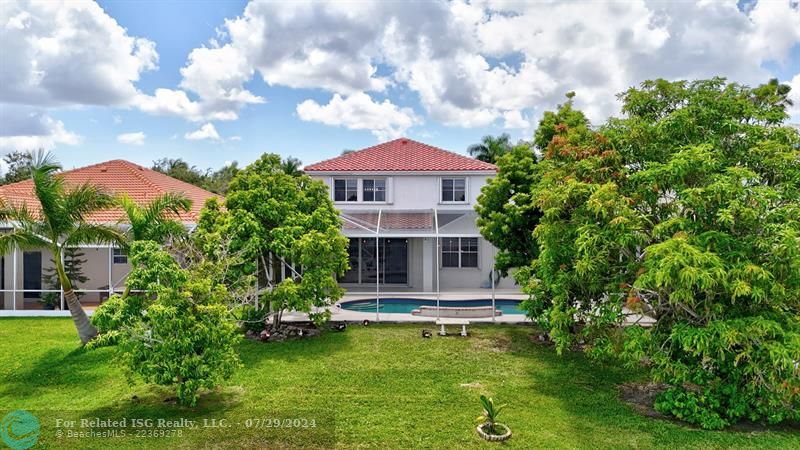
column 14, row 280
column 377, row 279
column 438, row 272
column 491, row 276
column 427, row 265
column 61, row 286
column 378, row 268
column 110, row 270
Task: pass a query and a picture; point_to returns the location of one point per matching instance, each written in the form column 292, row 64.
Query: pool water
column 406, row 305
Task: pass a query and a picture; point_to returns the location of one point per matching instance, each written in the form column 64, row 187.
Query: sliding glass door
column 391, row 258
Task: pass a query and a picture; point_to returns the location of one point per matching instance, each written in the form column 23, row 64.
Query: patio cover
column 393, row 223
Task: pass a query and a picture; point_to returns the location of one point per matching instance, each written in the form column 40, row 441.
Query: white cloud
column 68, row 52
column 794, row 96
column 359, row 112
column 24, row 128
column 474, row 64
column 207, row 131
column 235, row 138
column 469, row 64
column 132, row 138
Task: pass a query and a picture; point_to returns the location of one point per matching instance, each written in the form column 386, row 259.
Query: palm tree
column 61, row 223
column 155, row 221
column 291, row 166
column 491, row 148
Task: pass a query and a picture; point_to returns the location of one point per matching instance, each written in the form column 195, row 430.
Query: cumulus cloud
column 132, row 138
column 794, row 95
column 359, row 112
column 205, row 132
column 69, row 52
column 63, row 54
column 478, row 63
column 468, row 64
column 25, row 128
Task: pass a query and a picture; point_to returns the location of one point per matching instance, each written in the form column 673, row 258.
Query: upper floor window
column 459, row 252
column 454, row 190
column 345, row 190
column 374, row 190
column 120, row 257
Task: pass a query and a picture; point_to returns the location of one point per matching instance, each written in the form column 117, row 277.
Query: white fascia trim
column 356, row 173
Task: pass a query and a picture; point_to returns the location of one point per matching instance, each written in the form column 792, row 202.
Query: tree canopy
column 281, row 223
column 685, row 210
column 216, row 181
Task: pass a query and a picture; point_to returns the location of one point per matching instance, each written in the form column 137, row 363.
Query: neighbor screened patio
column 23, row 286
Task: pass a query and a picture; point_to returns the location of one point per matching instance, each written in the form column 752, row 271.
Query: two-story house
column 408, row 209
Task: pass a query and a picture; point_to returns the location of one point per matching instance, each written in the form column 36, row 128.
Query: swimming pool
column 406, row 305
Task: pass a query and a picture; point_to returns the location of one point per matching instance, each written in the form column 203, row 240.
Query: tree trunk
column 86, row 331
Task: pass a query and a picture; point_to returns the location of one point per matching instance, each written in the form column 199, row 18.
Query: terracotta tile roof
column 117, row 177
column 404, row 155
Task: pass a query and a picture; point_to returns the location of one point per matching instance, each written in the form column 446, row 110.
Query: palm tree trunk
column 86, row 331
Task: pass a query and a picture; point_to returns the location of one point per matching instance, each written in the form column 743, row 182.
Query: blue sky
column 217, row 81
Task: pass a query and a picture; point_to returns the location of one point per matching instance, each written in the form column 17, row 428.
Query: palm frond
column 134, row 216
column 88, row 233
column 161, row 206
column 42, row 159
column 23, row 238
column 49, row 190
column 80, row 202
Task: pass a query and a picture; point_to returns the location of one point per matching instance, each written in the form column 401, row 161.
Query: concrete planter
column 494, row 437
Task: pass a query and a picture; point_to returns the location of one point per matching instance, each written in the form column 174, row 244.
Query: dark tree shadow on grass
column 57, row 370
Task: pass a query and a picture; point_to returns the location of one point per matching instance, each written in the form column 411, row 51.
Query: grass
column 380, row 386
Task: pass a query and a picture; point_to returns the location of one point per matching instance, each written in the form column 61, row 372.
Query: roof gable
column 401, row 155
column 117, row 177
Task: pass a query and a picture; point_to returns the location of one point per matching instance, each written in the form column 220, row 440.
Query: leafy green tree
column 219, row 180
column 687, row 211
column 276, row 221
column 491, row 148
column 181, row 170
column 19, row 166
column 61, row 222
column 506, row 214
column 178, row 331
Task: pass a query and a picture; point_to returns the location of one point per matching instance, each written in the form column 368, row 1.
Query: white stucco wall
column 422, row 191
column 410, row 192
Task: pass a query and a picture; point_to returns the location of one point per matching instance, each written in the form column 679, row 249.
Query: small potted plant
column 489, row 428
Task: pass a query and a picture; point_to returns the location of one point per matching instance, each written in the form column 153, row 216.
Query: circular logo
column 20, row 430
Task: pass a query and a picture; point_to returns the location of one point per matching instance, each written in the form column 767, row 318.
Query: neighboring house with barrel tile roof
column 21, row 284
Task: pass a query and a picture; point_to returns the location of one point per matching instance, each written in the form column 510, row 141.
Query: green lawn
column 370, row 387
